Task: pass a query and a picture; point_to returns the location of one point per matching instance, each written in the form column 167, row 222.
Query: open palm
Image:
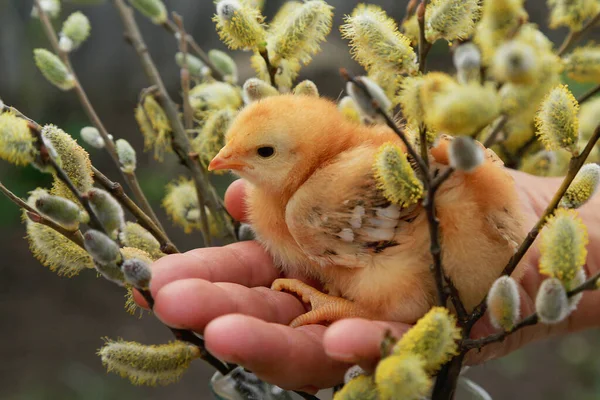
column 224, row 294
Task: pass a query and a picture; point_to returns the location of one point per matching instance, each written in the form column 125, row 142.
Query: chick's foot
column 324, row 308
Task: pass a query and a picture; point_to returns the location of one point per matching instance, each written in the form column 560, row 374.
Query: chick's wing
column 338, row 216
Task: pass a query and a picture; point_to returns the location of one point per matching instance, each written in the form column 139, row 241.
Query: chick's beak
column 224, row 160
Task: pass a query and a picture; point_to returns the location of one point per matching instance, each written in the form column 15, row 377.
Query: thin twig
column 589, row 94
column 115, row 188
column 130, row 177
column 73, row 235
column 180, row 141
column 424, row 45
column 435, row 247
column 62, row 175
column 264, row 53
column 419, row 160
column 188, row 117
column 493, row 137
column 173, row 29
column 573, row 37
column 467, row 344
column 574, row 167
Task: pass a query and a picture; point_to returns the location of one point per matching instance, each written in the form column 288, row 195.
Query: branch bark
column 180, row 141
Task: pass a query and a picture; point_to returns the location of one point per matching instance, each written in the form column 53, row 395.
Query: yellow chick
column 314, row 205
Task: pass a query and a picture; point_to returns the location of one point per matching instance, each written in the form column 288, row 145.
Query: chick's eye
column 265, row 151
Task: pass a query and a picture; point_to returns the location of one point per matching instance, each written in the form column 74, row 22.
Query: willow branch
column 62, row 175
column 574, row 167
column 575, row 36
column 115, row 188
column 130, row 177
column 424, row 45
column 467, row 344
column 493, row 137
column 173, row 29
column 180, row 141
column 264, row 53
column 73, row 235
column 188, row 117
column 589, row 94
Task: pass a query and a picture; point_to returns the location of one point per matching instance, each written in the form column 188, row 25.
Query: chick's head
column 277, row 142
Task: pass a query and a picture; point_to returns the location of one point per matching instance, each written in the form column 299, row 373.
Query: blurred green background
column 52, row 326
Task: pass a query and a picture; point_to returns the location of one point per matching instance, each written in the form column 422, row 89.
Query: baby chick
column 314, row 204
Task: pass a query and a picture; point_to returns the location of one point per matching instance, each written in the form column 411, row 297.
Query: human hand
column 223, row 293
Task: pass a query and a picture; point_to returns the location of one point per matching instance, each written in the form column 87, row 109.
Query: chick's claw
column 324, row 308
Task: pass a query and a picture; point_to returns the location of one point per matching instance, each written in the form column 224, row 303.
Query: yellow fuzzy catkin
column 451, row 19
column 563, row 244
column 134, row 235
column 239, row 25
column 541, row 163
column 376, row 42
column 298, row 36
column 75, row 161
column 556, row 121
column 498, row 19
column 154, row 125
column 572, row 13
column 410, row 29
column 212, row 135
column 522, row 101
column 503, row 303
column 181, row 204
column 148, row 365
column 16, row 140
column 360, row 388
column 583, row 64
column 464, row 109
column 402, row 377
column 395, row 176
column 210, row 96
column 53, row 69
column 583, row 187
column 409, row 99
column 349, row 109
column 433, row 338
column 52, row 249
column 516, row 62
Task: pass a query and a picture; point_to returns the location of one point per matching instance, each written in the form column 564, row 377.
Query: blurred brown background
column 51, row 327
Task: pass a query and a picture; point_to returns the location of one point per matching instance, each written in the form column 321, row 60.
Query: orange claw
column 324, row 308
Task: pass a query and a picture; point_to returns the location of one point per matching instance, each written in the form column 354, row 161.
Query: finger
column 235, row 200
column 193, row 303
column 287, row 357
column 358, row 341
